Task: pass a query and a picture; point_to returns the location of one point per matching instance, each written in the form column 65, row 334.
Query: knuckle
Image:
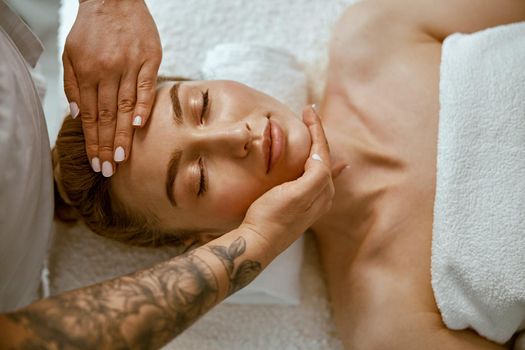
column 126, row 105
column 142, row 105
column 105, row 149
column 107, row 63
column 122, row 134
column 70, row 85
column 88, row 118
column 106, row 117
column 145, row 84
column 83, row 68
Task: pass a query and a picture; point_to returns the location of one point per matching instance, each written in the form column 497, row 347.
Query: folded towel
column 259, row 66
column 478, row 247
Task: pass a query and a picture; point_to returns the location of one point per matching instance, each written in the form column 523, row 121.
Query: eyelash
column 202, row 183
column 205, row 101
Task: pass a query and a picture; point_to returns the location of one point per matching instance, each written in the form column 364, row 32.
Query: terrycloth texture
column 255, row 66
column 275, row 72
column 478, row 248
column 188, row 30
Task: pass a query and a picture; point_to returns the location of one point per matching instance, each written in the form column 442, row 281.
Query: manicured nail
column 73, row 110
column 137, row 121
column 119, row 154
column 315, row 156
column 95, row 164
column 107, row 169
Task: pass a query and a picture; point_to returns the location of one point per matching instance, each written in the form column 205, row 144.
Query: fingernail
column 73, row 110
column 119, row 154
column 314, row 108
column 107, row 169
column 137, row 121
column 315, row 156
column 95, row 164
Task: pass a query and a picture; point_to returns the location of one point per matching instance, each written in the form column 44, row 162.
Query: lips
column 267, row 145
column 273, row 138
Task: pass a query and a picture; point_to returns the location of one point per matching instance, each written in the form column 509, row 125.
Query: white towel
column 478, row 247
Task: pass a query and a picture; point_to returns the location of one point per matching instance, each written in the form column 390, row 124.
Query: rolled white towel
column 276, row 73
column 478, row 247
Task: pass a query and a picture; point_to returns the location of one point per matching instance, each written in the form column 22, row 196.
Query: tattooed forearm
column 243, row 274
column 144, row 310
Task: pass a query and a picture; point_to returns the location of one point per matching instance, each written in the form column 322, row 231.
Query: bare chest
column 385, row 126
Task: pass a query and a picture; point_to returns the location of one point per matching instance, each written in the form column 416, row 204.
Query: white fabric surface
column 478, row 248
column 254, row 65
column 188, row 30
column 26, row 192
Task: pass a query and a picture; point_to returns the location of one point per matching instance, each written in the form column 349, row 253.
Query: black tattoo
column 245, row 272
column 144, row 310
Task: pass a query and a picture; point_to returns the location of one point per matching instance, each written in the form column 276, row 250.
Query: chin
column 298, row 147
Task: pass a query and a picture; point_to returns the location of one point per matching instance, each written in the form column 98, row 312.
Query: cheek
column 234, row 198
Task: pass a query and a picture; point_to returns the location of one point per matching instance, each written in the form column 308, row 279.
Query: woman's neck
column 360, row 188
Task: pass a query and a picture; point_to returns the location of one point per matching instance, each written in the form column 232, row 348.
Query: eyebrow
column 173, row 164
column 173, row 168
column 175, row 101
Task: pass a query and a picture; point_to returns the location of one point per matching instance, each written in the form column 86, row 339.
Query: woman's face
column 209, row 149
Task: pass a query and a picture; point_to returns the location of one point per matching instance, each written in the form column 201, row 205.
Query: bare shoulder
column 369, row 35
column 436, row 19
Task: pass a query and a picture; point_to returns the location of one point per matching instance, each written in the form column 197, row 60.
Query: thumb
column 71, row 86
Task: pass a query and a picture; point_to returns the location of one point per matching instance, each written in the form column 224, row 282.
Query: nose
column 232, row 140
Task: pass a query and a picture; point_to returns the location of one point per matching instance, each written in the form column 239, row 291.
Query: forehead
column 139, row 182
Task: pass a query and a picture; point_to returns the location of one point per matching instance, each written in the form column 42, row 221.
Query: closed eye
column 205, row 101
column 203, row 187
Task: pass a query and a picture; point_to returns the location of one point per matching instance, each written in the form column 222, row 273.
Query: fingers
column 88, row 114
column 125, row 109
column 107, row 122
column 319, row 173
column 71, row 86
column 319, row 150
column 313, row 182
column 146, row 84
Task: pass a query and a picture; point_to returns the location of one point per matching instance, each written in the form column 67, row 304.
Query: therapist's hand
column 283, row 213
column 111, row 59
